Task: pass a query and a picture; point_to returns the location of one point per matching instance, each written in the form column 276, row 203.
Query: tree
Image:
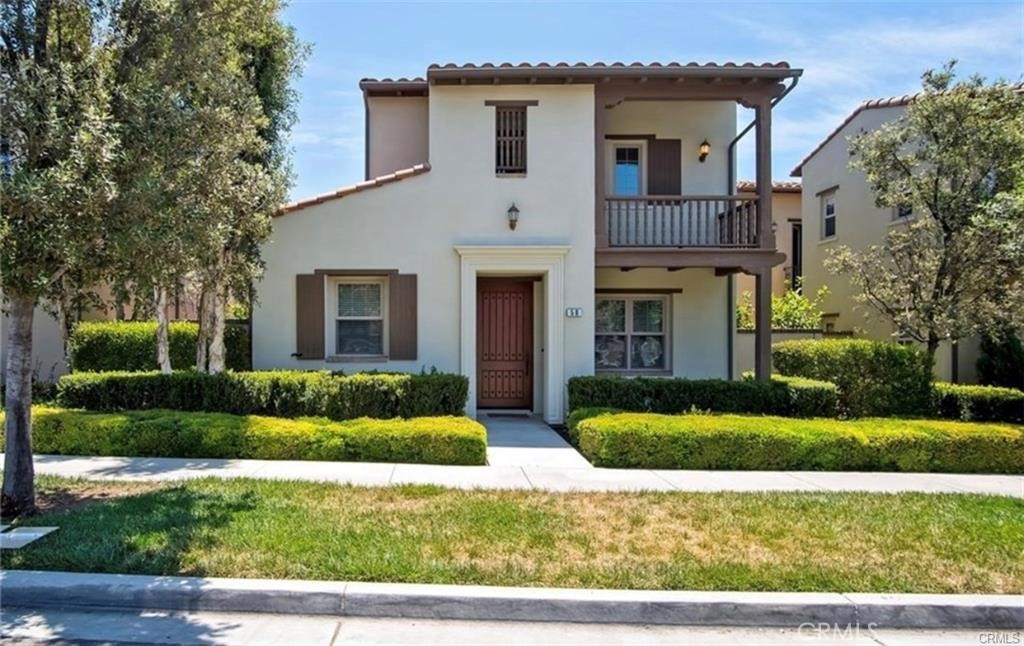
column 791, row 311
column 955, row 267
column 58, row 145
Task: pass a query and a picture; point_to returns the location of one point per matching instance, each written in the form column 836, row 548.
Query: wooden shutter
column 402, row 319
column 664, row 167
column 309, row 316
column 510, row 139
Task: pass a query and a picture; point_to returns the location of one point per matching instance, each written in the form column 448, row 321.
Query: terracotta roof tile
column 778, row 186
column 396, row 176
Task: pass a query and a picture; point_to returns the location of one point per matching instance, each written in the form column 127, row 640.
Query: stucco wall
column 859, row 224
column 691, row 122
column 397, row 133
column 700, row 315
column 414, row 225
column 47, row 347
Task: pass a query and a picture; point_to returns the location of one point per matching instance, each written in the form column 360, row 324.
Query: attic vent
column 510, row 148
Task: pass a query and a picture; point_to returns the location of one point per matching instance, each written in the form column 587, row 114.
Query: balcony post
column 763, row 324
column 600, row 222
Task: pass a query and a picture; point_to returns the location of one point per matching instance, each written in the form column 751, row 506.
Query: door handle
column 528, row 364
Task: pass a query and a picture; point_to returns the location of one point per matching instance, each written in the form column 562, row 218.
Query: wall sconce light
column 513, row 216
column 704, row 150
column 775, row 227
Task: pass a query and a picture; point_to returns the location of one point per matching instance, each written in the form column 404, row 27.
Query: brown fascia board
column 597, row 72
column 394, row 87
column 376, row 182
column 891, row 102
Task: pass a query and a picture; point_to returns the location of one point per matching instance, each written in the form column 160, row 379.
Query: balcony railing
column 681, row 221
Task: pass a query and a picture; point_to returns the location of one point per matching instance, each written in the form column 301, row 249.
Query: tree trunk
column 932, row 347
column 218, row 298
column 203, row 339
column 19, row 494
column 163, row 341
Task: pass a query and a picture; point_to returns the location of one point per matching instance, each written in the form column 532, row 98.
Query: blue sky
column 849, row 52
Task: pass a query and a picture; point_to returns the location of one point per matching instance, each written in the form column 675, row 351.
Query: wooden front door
column 504, row 343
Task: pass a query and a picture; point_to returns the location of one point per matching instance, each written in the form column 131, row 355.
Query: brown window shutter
column 402, row 317
column 309, row 316
column 664, row 167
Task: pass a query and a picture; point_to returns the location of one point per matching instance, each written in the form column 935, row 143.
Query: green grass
column 725, row 541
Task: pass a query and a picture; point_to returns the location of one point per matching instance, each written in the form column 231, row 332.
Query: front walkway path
column 526, row 441
column 523, row 477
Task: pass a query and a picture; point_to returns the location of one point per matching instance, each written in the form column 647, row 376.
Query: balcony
column 693, row 221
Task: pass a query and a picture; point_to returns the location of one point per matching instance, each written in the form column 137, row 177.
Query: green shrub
column 1002, row 360
column 162, row 433
column 650, row 441
column 781, row 396
column 979, row 403
column 279, row 393
column 130, row 345
column 874, row 378
column 580, row 414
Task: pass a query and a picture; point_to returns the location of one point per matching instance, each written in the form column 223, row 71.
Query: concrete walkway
column 526, row 441
column 524, row 477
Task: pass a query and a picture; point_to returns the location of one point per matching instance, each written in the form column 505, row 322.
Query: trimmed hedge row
column 874, row 378
column 650, row 441
column 282, row 393
column 161, row 433
column 979, row 403
column 787, row 396
column 131, row 345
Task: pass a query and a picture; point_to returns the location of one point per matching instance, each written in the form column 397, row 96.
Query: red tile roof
column 396, row 176
column 778, row 186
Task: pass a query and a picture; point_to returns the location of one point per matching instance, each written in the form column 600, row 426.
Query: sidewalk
column 524, row 477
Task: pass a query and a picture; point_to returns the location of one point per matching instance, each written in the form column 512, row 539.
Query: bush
column 782, row 396
column 979, row 403
column 1002, row 360
column 874, row 378
column 648, row 441
column 161, row 433
column 124, row 345
column 280, row 393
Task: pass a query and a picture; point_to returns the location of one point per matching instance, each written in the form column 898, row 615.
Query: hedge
column 694, row 441
column 874, row 378
column 979, row 403
column 280, row 393
column 161, row 433
column 782, row 396
column 130, row 345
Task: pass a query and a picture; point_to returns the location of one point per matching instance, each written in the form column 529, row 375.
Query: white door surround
column 547, row 261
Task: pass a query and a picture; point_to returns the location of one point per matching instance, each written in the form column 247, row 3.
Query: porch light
column 513, row 216
column 704, row 150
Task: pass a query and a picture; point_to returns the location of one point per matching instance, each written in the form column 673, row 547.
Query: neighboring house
column 547, row 221
column 839, row 209
column 47, row 347
column 788, row 235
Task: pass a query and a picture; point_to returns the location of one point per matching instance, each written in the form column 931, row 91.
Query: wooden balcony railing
column 682, row 221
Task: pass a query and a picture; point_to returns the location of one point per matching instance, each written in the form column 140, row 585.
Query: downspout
column 731, row 189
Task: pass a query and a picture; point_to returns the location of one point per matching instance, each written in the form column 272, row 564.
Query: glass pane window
column 359, row 322
column 631, row 333
column 627, row 170
column 828, row 215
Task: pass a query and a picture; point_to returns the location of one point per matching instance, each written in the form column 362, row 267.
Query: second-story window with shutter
column 510, row 140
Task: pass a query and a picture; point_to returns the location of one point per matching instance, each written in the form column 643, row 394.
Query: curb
column 32, row 589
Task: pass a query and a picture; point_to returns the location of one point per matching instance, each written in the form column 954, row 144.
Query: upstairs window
column 828, row 215
column 510, row 133
column 902, row 212
column 627, row 170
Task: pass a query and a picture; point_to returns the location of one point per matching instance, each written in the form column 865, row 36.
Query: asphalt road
column 152, row 627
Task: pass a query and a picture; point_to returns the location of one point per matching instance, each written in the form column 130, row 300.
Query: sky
column 849, row 52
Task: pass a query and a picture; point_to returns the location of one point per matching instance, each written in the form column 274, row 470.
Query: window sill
column 633, row 373
column 510, row 175
column 828, row 240
column 904, row 221
column 351, row 358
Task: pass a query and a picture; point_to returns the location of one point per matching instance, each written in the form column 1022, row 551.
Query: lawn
column 725, row 541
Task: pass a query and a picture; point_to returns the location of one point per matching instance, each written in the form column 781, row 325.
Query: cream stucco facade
column 859, row 223
column 444, row 226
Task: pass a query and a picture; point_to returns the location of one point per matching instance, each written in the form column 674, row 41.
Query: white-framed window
column 828, row 214
column 902, row 212
column 357, row 317
column 632, row 333
column 627, row 167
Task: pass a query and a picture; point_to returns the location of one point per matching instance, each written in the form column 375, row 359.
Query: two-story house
column 528, row 223
column 838, row 208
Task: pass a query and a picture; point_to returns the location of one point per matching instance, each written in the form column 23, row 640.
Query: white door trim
column 519, row 260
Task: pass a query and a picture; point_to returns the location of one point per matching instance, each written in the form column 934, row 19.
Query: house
column 788, row 227
column 522, row 224
column 838, row 208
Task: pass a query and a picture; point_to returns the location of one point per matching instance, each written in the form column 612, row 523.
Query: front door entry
column 504, row 343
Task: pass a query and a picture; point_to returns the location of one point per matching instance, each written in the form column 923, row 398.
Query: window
column 902, row 212
column 828, row 215
column 510, row 132
column 359, row 315
column 631, row 333
column 626, row 178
